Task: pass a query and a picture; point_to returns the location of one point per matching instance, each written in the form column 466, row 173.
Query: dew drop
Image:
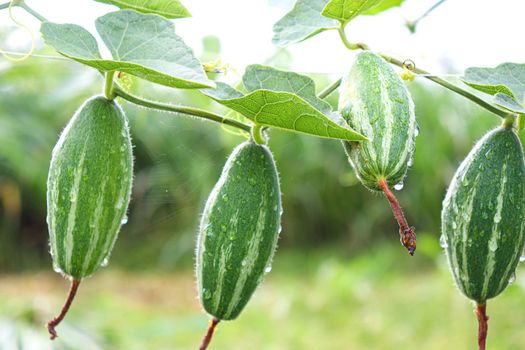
column 124, row 220
column 244, row 262
column 267, row 269
column 58, row 269
column 522, row 258
column 416, row 132
column 206, row 293
column 443, row 242
column 399, row 186
column 410, row 162
column 493, row 245
column 512, row 278
column 497, row 217
column 105, row 262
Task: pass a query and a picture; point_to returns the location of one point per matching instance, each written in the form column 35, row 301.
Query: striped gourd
column 483, row 216
column 88, row 187
column 376, row 103
column 239, row 231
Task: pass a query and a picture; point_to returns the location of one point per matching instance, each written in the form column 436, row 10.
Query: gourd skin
column 483, row 217
column 376, row 103
column 89, row 187
column 239, row 231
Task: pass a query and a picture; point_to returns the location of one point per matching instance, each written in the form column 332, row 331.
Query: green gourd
column 483, row 219
column 239, row 231
column 375, row 102
column 88, row 189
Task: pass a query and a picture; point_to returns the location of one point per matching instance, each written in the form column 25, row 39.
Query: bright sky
column 457, row 35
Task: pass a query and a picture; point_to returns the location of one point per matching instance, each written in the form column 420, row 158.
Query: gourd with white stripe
column 239, row 231
column 375, row 102
column 483, row 217
column 88, row 189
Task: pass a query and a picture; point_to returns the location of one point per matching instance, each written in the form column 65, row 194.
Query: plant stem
column 348, row 44
column 414, row 23
column 435, row 79
column 32, row 12
column 56, row 321
column 209, row 334
column 196, row 112
column 4, row 6
column 451, row 87
column 407, row 234
column 483, row 326
column 329, row 89
column 109, row 90
column 257, row 134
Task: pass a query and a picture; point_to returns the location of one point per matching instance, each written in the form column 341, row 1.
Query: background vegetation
column 340, row 280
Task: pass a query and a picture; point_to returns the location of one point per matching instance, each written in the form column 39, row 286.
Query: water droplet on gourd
column 410, row 162
column 493, row 245
column 267, row 269
column 399, row 186
column 522, row 258
column 244, row 262
column 512, row 278
column 416, row 132
column 124, row 220
column 206, row 293
column 105, row 262
column 443, row 242
column 497, row 217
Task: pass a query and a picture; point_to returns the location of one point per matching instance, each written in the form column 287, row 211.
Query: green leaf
column 346, row 10
column 302, row 22
column 383, row 6
column 282, row 110
column 507, row 102
column 507, row 78
column 258, row 77
column 165, row 8
column 142, row 45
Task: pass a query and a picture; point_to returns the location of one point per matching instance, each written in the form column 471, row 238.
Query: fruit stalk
column 483, row 326
column 56, row 320
column 407, row 234
column 209, row 334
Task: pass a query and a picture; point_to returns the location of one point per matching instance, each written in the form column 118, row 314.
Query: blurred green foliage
column 380, row 299
column 178, row 160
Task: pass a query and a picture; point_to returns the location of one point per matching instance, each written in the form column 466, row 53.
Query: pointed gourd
column 483, row 216
column 239, row 231
column 375, row 102
column 89, row 187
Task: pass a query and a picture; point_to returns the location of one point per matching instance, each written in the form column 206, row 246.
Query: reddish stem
column 55, row 321
column 207, row 338
column 407, row 234
column 483, row 326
